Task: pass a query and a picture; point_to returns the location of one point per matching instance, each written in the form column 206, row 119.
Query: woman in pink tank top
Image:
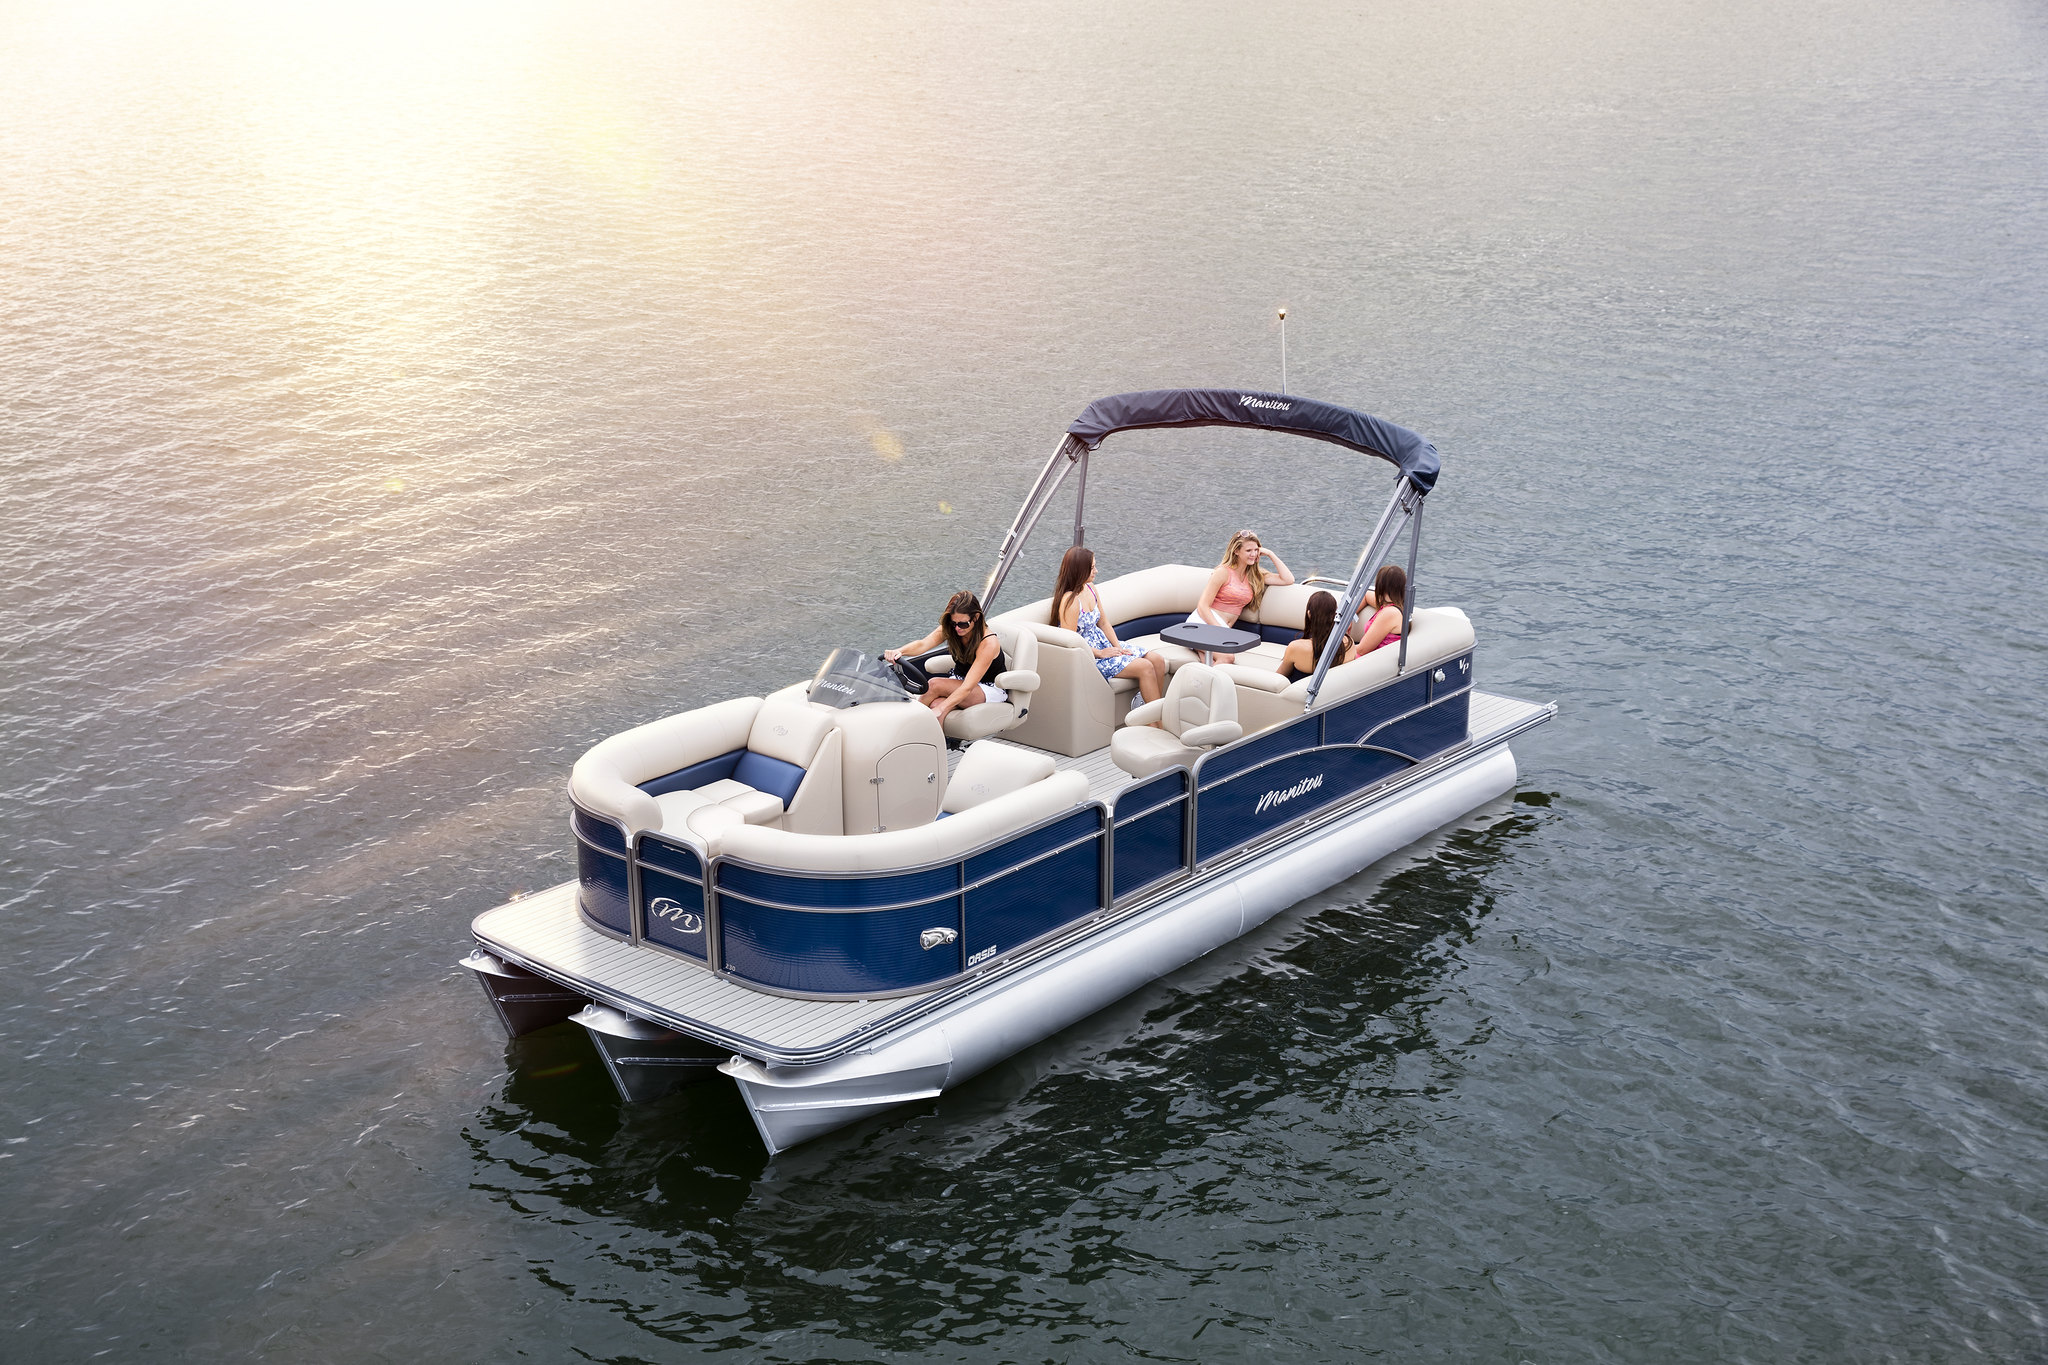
column 1383, row 627
column 1237, row 583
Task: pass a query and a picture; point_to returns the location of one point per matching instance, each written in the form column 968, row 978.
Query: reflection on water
column 399, row 398
column 1311, row 1044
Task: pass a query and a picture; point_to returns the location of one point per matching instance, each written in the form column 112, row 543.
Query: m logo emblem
column 684, row 921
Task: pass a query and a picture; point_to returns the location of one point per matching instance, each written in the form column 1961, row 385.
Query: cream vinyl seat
column 1265, row 699
column 990, row 770
column 1021, row 680
column 1076, row 709
column 1198, row 712
column 747, row 761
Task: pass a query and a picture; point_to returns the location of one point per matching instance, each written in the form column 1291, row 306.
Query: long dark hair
column 1075, row 566
column 1390, row 588
column 1319, row 618
column 963, row 649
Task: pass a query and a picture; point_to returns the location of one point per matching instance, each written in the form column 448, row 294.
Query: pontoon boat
column 846, row 906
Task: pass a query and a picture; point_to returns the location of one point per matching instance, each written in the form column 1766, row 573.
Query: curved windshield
column 852, row 677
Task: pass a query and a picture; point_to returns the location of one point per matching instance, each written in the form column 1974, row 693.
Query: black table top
column 1210, row 639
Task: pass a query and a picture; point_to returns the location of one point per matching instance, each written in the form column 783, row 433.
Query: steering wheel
column 915, row 685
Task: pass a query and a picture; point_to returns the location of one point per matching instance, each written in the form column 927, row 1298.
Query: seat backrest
column 608, row 777
column 1198, row 695
column 1020, row 647
column 1075, row 711
column 1144, row 602
column 913, row 846
column 781, row 744
column 989, row 769
column 1281, row 613
column 1135, row 603
column 1434, row 634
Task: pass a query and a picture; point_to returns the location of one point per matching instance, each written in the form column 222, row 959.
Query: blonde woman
column 1238, row 583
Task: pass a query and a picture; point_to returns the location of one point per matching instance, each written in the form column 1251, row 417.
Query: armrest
column 1264, row 680
column 1053, row 635
column 1210, row 735
column 1017, row 680
column 1148, row 714
column 939, row 665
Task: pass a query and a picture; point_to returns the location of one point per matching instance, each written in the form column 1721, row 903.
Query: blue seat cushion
column 771, row 775
column 1148, row 625
column 696, row 775
column 1279, row 635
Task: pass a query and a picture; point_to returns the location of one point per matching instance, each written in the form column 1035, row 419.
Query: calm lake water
column 398, row 400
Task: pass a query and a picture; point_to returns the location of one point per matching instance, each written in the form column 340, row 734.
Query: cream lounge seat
column 774, row 762
column 1199, row 711
column 1076, row 709
column 935, row 841
column 1021, row 680
column 991, row 769
column 1265, row 699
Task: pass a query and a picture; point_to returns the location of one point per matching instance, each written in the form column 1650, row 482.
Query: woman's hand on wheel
column 891, row 655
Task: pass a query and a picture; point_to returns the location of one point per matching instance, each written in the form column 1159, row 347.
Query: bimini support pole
column 1081, row 500
column 1049, row 480
column 1406, row 499
column 1408, row 601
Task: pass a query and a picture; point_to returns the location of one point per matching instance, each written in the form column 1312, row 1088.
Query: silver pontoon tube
column 1407, row 498
column 1049, row 480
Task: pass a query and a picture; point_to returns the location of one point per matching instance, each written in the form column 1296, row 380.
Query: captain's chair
column 1199, row 711
column 1020, row 680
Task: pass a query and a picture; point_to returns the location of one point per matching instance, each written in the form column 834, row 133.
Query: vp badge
column 932, row 938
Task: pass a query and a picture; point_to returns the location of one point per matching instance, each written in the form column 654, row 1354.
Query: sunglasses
column 959, row 624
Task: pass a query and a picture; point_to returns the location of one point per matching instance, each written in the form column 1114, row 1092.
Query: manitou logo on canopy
column 1306, row 785
column 1249, row 401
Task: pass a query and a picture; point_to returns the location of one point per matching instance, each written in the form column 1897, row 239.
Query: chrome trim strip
column 975, row 852
column 1121, row 821
column 1416, row 711
column 951, row 893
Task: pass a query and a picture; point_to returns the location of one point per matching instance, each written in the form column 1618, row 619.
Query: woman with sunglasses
column 977, row 655
column 1238, row 582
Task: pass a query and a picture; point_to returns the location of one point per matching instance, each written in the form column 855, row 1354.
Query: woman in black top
column 977, row 657
column 1300, row 659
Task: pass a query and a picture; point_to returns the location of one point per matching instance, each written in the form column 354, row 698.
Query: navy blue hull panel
column 1253, row 804
column 603, row 833
column 1027, row 846
column 1293, row 736
column 677, row 858
column 1036, row 900
column 1149, row 847
column 674, row 916
column 836, row 893
column 601, row 889
column 1150, row 791
column 837, row 954
column 1427, row 732
column 1351, row 722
